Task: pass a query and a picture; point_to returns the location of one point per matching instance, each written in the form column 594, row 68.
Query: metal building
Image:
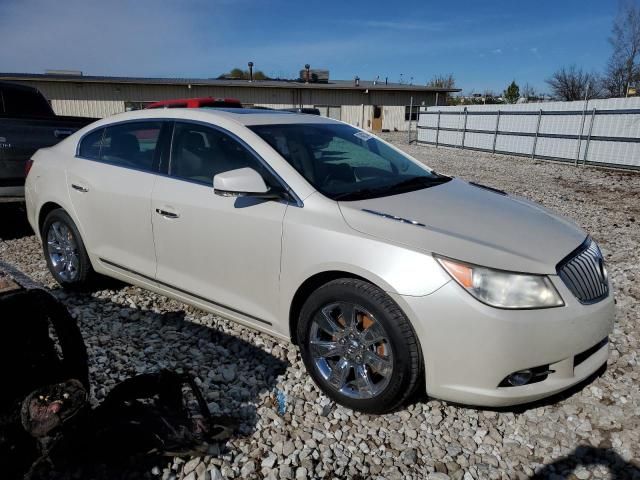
column 375, row 106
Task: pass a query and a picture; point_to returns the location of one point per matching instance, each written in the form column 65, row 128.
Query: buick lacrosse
column 388, row 276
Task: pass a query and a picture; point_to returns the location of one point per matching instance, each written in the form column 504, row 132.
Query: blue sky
column 484, row 44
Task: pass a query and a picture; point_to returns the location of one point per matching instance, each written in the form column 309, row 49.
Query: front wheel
column 64, row 251
column 358, row 346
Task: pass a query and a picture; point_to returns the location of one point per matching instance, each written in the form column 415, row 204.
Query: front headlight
column 502, row 289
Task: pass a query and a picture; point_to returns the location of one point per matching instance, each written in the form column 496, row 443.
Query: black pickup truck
column 27, row 123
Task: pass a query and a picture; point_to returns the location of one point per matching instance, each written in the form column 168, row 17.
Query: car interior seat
column 191, row 152
column 301, row 159
column 124, row 149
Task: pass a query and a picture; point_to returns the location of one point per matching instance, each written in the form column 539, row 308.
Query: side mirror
column 243, row 182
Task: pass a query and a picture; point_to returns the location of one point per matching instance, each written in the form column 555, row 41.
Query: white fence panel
column 605, row 132
column 513, row 144
column 479, row 140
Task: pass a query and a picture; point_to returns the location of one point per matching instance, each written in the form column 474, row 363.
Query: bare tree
column 623, row 69
column 528, row 92
column 572, row 83
column 442, row 81
column 615, row 80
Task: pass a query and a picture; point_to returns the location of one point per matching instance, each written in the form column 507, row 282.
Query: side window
column 131, row 145
column 199, row 153
column 90, row 145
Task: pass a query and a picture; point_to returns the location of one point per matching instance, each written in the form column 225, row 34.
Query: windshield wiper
column 357, row 194
column 408, row 184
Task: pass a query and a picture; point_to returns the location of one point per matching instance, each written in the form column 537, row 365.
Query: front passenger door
column 224, row 250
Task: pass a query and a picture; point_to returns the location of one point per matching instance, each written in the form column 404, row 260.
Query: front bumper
column 469, row 348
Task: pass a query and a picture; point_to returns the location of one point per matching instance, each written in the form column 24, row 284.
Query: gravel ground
column 593, row 432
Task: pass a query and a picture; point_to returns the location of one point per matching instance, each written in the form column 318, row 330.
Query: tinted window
column 131, row 145
column 345, row 163
column 25, row 102
column 199, row 153
column 90, row 145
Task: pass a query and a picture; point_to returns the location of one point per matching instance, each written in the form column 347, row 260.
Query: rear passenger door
column 110, row 183
column 222, row 250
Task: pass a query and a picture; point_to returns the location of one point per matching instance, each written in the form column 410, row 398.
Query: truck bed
column 19, row 140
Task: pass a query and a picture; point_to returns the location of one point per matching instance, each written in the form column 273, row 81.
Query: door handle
column 62, row 133
column 79, row 188
column 166, row 214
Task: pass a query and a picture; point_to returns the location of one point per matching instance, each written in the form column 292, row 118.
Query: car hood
column 469, row 223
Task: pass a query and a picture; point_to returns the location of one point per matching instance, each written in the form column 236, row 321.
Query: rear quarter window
column 131, row 144
column 90, row 145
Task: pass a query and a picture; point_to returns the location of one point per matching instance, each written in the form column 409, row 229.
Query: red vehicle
column 197, row 103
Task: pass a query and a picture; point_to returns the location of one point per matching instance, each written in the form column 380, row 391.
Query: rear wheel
column 64, row 251
column 358, row 346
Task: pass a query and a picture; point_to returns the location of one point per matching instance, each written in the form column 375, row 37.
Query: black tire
column 84, row 273
column 407, row 362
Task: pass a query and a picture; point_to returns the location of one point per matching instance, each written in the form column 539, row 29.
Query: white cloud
column 497, row 51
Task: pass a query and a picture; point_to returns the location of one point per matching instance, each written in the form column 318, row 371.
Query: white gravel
column 591, row 433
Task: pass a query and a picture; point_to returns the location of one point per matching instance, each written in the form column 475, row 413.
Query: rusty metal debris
column 46, row 422
column 7, row 284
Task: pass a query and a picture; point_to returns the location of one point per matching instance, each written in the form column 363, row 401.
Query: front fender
column 314, row 244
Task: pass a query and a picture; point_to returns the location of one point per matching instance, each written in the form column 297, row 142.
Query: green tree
column 239, row 74
column 512, row 93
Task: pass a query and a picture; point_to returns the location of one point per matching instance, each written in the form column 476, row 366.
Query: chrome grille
column 583, row 273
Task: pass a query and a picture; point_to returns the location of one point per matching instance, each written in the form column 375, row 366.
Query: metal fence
column 596, row 132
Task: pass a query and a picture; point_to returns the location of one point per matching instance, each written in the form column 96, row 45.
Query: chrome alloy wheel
column 63, row 251
column 351, row 350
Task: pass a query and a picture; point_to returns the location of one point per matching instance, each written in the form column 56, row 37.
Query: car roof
column 242, row 116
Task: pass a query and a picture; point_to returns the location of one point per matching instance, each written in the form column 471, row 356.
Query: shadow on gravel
column 587, row 456
column 124, row 342
column 14, row 222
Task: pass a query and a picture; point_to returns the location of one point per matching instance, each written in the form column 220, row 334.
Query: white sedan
column 390, row 277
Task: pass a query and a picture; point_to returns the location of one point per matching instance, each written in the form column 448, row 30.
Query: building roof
column 214, row 82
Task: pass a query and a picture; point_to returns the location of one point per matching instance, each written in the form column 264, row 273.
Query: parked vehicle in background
column 388, row 276
column 309, row 111
column 27, row 123
column 198, row 102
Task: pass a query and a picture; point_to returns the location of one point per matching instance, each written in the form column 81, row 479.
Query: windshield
column 345, row 163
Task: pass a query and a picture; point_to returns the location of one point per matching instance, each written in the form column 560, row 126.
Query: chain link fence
column 596, row 132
